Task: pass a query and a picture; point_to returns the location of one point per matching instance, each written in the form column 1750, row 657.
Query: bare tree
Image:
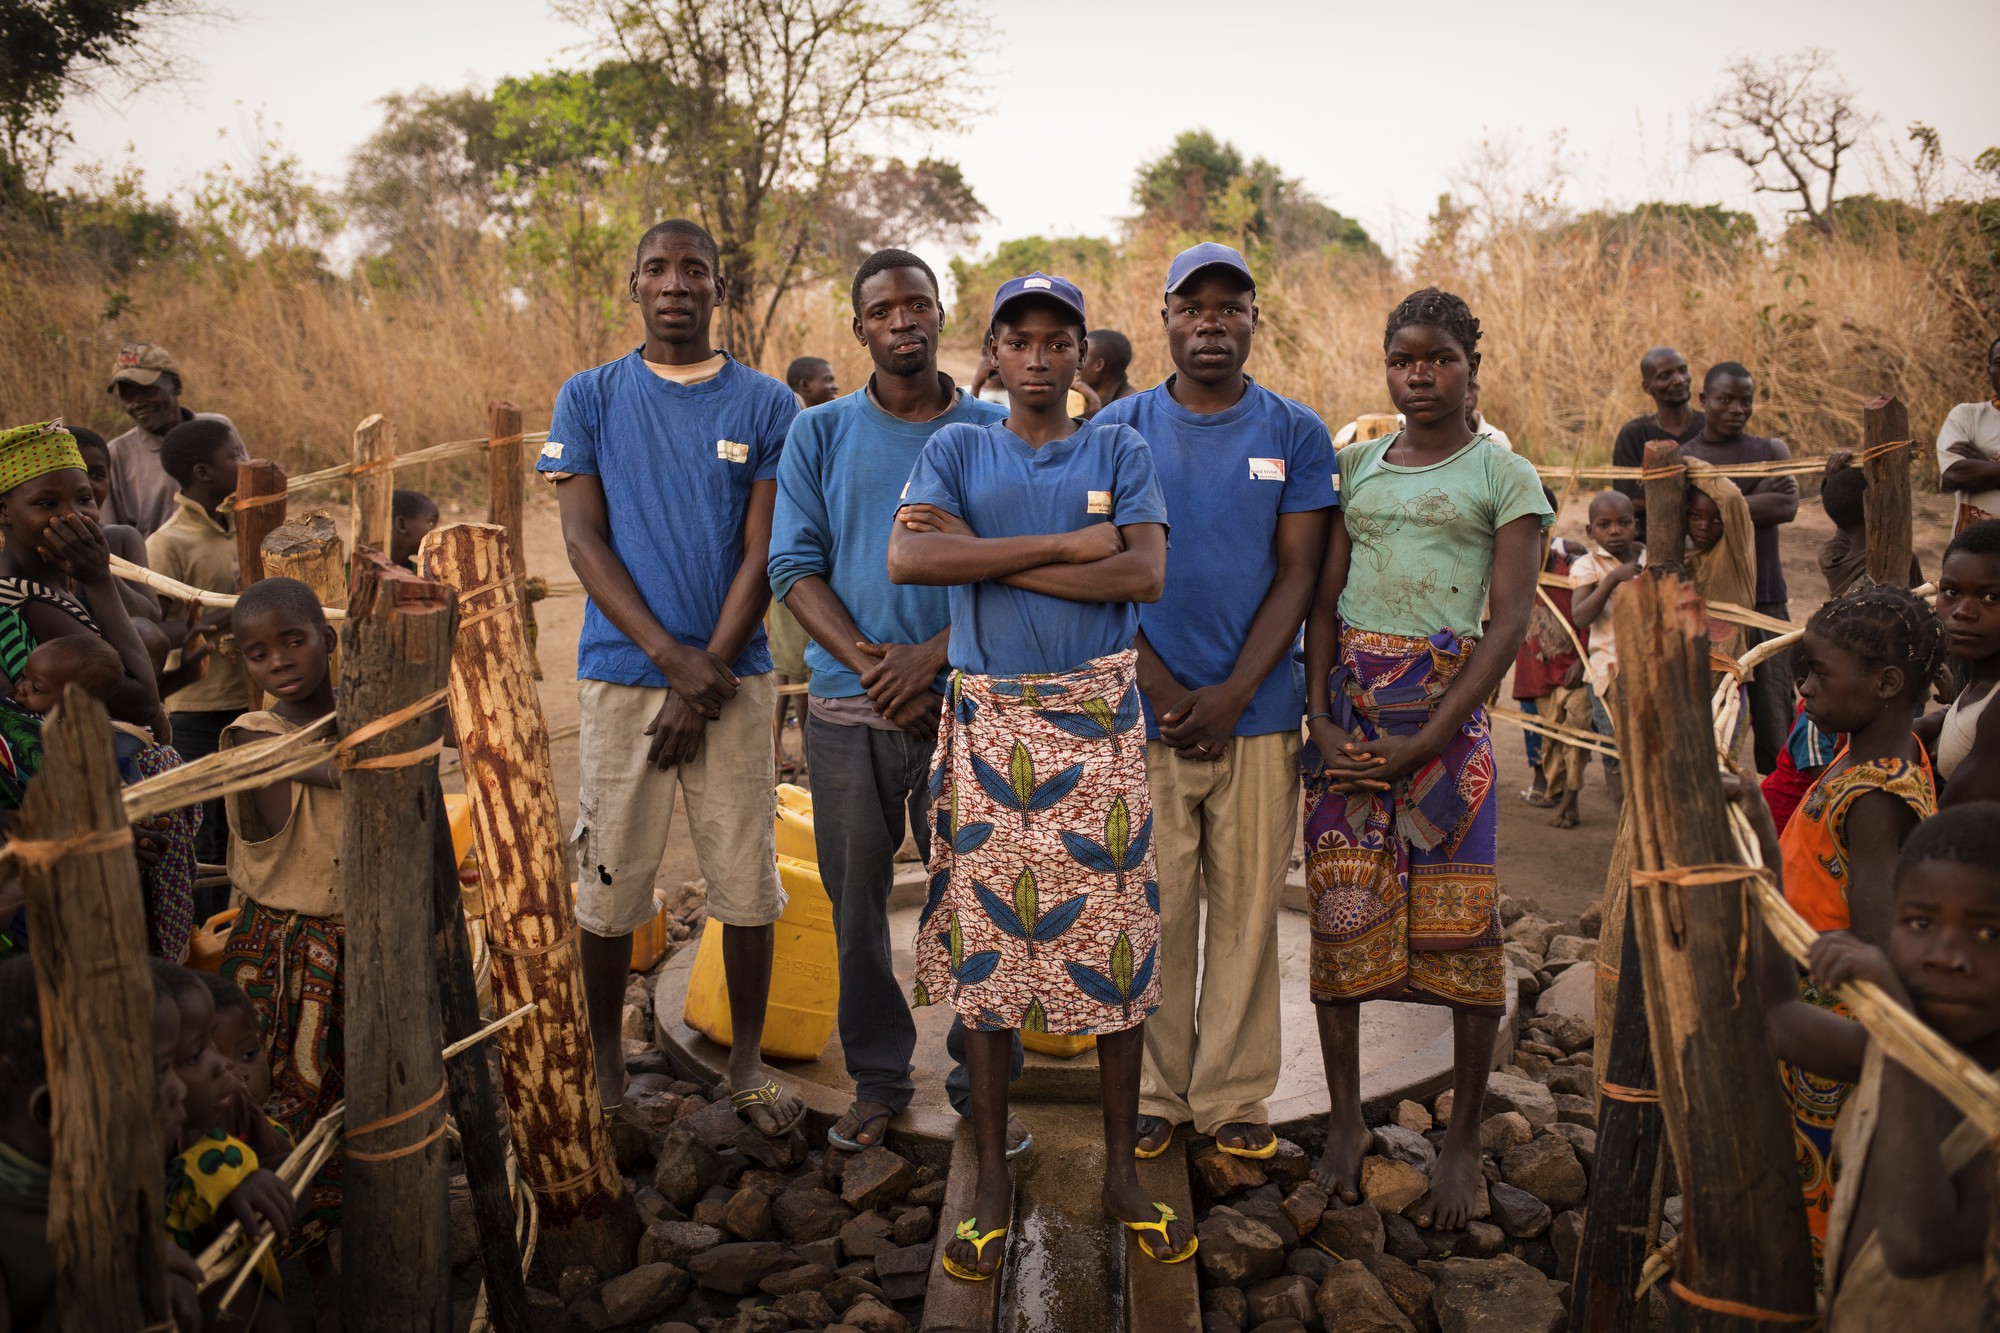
column 1789, row 122
column 766, row 108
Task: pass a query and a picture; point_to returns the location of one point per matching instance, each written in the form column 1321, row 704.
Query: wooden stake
column 1887, row 502
column 374, row 483
column 546, row 1060
column 1615, row 918
column 506, row 500
column 1666, row 503
column 87, row 927
column 1743, row 1239
column 398, row 644
column 475, row 1099
column 309, row 550
column 1613, row 1249
column 254, row 522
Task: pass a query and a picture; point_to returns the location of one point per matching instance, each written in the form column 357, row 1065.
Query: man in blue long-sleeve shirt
column 878, row 662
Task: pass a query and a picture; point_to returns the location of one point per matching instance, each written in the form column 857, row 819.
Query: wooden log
column 1666, row 503
column 547, row 1065
column 506, row 500
column 398, row 644
column 263, row 483
column 1887, row 502
column 374, row 483
column 309, row 550
column 1613, row 1249
column 1611, row 935
column 87, row 927
column 475, row 1097
column 1743, row 1238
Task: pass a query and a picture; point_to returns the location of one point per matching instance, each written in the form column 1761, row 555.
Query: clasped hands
column 1354, row 764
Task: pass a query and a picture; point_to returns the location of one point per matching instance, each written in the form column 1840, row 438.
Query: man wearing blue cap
column 1042, row 913
column 877, row 655
column 1248, row 476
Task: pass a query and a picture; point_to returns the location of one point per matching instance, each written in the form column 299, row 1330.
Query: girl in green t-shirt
column 1400, row 816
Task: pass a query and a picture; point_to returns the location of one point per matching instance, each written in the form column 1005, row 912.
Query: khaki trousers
column 1224, row 832
column 1563, row 765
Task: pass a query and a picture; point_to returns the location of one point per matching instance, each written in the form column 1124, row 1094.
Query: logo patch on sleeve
column 731, row 451
column 553, row 449
column 1267, row 469
column 1099, row 501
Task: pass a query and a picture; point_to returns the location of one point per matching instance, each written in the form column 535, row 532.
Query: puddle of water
column 1065, row 1264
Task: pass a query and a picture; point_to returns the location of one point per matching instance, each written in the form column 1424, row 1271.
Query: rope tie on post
column 511, row 582
column 1618, row 1092
column 343, row 753
column 397, row 1119
column 1737, row 1309
column 1708, row 874
column 41, row 853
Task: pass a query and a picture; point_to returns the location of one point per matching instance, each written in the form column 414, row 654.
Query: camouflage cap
column 141, row 364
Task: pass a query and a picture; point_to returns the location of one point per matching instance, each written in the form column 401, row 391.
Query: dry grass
column 298, row 363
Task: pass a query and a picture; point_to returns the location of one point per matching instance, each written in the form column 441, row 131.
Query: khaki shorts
column 626, row 807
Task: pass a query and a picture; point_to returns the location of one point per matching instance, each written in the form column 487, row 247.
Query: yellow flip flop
column 1145, row 1128
column 1167, row 1216
column 1263, row 1154
column 968, row 1230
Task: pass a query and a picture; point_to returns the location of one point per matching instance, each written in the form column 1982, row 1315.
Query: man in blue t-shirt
column 666, row 462
column 1248, row 477
column 878, row 665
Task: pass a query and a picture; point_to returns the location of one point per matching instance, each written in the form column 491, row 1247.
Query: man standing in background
column 149, row 389
column 1664, row 375
column 1104, row 366
column 1968, row 453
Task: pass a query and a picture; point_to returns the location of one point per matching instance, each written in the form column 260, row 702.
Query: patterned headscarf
column 31, row 451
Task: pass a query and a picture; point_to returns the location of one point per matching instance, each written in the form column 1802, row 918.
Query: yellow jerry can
column 795, row 824
column 805, row 972
column 1057, row 1043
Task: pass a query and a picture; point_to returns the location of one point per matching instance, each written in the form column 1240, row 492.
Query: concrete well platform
column 1406, row 1049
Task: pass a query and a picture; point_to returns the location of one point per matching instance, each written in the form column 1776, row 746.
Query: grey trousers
column 866, row 784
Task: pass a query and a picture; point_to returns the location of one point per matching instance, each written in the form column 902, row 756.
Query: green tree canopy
column 1204, row 186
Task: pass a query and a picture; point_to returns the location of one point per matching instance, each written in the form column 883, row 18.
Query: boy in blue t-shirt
column 666, row 462
column 1248, row 477
column 1043, row 911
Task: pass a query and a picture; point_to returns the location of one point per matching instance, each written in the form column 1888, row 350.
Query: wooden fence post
column 309, row 550
column 256, row 480
column 1666, row 503
column 374, row 483
column 475, row 1100
column 546, row 1059
column 397, row 642
column 1887, row 502
column 506, row 500
column 1743, row 1239
column 87, row 931
column 1613, row 1249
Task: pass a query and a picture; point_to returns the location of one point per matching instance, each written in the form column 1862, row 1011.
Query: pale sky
column 1375, row 107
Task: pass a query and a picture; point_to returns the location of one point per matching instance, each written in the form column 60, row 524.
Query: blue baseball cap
column 1041, row 284
column 1198, row 257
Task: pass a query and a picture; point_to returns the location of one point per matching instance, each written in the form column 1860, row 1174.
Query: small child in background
column 412, row 517
column 164, row 843
column 125, row 541
column 1843, row 557
column 284, row 860
column 1721, row 560
column 1614, row 556
column 1908, row 1221
column 1549, row 683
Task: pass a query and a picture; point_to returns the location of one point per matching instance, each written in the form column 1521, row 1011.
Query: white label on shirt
column 1267, row 469
column 1100, row 501
column 553, row 449
column 905, row 492
column 1336, row 481
column 732, row 451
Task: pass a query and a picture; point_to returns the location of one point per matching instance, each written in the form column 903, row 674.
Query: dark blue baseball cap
column 1206, row 255
column 1040, row 284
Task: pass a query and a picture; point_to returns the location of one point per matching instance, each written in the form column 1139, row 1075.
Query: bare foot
column 1338, row 1170
column 1128, row 1202
column 1155, row 1132
column 866, row 1123
column 992, row 1204
column 1245, row 1136
column 1019, row 1137
column 1566, row 815
column 1455, row 1182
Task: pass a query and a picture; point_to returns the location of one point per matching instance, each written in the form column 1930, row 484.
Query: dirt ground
column 1561, row 870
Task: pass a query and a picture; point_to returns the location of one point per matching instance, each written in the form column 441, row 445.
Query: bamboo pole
column 87, row 925
column 1743, row 1242
column 1613, row 1250
column 1887, row 502
column 1666, row 503
column 396, row 1222
column 475, row 1100
column 547, row 1064
column 506, row 500
column 309, row 550
column 374, row 483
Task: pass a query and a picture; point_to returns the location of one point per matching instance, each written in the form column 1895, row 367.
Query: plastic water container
column 795, row 824
column 805, row 973
column 205, row 947
column 1057, row 1044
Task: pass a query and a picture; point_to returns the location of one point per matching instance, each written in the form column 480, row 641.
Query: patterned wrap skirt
column 1043, row 913
column 1404, row 893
